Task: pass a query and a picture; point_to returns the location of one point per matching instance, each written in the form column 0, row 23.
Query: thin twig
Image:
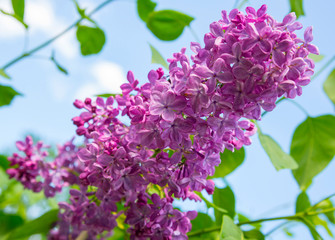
column 296, row 217
column 48, row 42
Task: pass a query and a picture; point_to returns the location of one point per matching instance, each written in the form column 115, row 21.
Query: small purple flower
column 166, row 104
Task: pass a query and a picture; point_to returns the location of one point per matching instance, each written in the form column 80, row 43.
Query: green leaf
column 312, row 229
column 230, row 231
column 278, row 157
column 39, row 225
column 80, row 10
column 224, row 198
column 91, row 39
column 107, row 95
column 59, row 67
column 157, row 58
column 329, row 86
column 297, row 7
column 16, row 17
column 144, row 8
column 316, row 58
column 287, row 232
column 9, row 222
column 18, row 7
column 229, row 162
column 168, row 25
column 313, row 147
column 198, row 224
column 253, row 235
column 210, row 204
column 7, row 94
column 316, row 220
column 302, row 203
column 4, row 74
column 4, row 163
column 326, row 204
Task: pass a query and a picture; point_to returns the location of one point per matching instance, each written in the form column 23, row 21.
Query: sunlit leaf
column 224, row 198
column 329, row 86
column 327, row 204
column 229, row 231
column 229, row 162
column 118, row 234
column 91, row 39
column 168, row 24
column 144, row 8
column 18, row 7
column 198, row 224
column 316, row 220
column 4, row 74
column 157, row 58
column 313, row 147
column 39, row 225
column 316, row 58
column 297, row 7
column 7, row 94
column 253, row 234
column 278, row 157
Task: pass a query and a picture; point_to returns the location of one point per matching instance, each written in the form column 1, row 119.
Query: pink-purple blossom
column 179, row 124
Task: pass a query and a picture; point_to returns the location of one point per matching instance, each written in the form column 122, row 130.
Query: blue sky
column 46, row 108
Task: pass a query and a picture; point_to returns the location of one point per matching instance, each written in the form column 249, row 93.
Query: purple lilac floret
column 179, row 124
column 37, row 174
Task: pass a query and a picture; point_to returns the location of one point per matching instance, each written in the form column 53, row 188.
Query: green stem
column 211, row 204
column 194, row 34
column 320, row 212
column 277, row 102
column 299, row 106
column 298, row 217
column 326, row 198
column 275, row 229
column 276, row 209
column 235, row 4
column 204, row 230
column 48, row 42
column 293, row 217
column 242, row 3
column 310, row 226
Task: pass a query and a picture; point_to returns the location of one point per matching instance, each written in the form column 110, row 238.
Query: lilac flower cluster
column 35, row 173
column 179, row 124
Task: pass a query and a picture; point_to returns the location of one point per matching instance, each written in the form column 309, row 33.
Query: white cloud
column 67, row 45
column 59, row 88
column 108, row 78
column 39, row 15
column 42, row 19
column 43, row 22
